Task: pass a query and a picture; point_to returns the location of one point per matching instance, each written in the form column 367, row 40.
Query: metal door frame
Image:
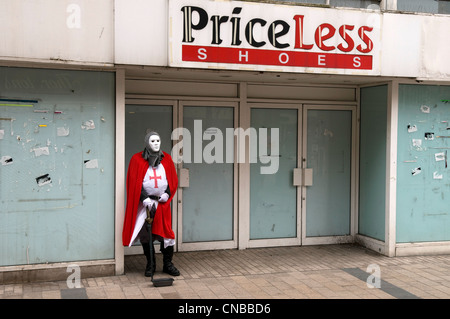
column 137, row 249
column 276, row 242
column 209, row 245
column 353, row 176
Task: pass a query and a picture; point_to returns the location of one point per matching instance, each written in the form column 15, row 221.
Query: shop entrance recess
column 309, row 198
column 301, row 173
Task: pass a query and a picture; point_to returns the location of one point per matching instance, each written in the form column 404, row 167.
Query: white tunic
column 154, row 183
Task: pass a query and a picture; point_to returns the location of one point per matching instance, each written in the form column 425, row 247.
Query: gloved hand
column 148, row 202
column 164, row 198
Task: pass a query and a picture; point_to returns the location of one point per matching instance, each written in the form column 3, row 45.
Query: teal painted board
column 57, row 166
column 273, row 198
column 372, row 162
column 329, row 150
column 423, row 174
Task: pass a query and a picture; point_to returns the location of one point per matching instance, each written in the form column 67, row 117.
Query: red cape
column 162, row 222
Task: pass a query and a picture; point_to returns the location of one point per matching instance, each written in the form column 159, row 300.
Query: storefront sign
column 248, row 35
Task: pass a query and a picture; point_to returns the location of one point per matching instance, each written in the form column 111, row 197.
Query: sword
column 160, row 282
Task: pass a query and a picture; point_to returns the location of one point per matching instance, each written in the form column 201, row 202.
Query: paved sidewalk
column 308, row 272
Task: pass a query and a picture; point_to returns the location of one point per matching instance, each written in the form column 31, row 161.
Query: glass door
column 328, row 148
column 309, row 197
column 274, row 199
column 140, row 116
column 208, row 174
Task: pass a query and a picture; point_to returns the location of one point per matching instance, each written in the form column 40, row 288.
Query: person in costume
column 151, row 184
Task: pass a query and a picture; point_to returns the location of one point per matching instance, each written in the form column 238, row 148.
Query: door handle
column 303, row 177
column 184, row 177
column 307, row 176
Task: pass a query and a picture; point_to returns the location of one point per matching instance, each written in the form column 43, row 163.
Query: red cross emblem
column 155, row 177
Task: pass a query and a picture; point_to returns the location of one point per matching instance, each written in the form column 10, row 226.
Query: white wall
column 74, row 30
column 137, row 32
column 415, row 46
column 141, row 32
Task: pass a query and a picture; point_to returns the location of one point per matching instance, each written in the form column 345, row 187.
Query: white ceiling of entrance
column 247, row 76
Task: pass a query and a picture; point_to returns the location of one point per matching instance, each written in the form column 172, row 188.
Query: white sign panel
column 271, row 37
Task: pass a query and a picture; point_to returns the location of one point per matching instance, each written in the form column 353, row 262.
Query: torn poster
column 328, row 133
column 436, row 175
column 412, row 128
column 6, row 160
column 2, row 134
column 43, row 180
column 425, row 109
column 91, row 163
column 12, row 130
column 417, row 144
column 88, row 125
column 439, row 156
column 41, row 151
column 62, row 131
column 429, row 136
column 416, row 171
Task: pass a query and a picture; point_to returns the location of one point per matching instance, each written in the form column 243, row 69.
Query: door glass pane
column 140, row 118
column 273, row 198
column 329, row 155
column 208, row 201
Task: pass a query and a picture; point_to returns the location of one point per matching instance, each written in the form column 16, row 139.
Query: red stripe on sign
column 208, row 54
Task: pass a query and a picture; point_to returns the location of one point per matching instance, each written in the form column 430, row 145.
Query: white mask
column 155, row 143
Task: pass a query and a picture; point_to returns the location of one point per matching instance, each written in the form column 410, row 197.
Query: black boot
column 148, row 268
column 168, row 266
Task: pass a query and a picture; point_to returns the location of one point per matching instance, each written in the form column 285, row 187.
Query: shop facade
column 289, row 125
